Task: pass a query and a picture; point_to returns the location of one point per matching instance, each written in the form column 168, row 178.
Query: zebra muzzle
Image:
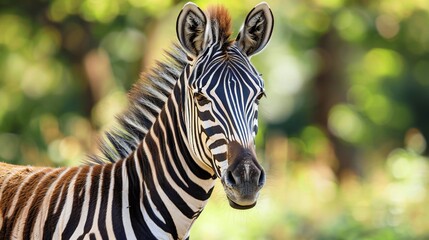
column 243, row 178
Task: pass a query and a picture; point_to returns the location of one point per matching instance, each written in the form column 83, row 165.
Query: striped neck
column 166, row 184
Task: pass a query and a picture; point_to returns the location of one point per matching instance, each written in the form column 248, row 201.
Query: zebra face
column 223, row 90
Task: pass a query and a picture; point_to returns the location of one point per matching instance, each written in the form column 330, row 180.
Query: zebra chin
column 242, row 203
column 242, row 196
column 244, row 177
column 241, row 207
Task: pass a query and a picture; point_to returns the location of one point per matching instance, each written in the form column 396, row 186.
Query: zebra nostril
column 230, row 178
column 261, row 180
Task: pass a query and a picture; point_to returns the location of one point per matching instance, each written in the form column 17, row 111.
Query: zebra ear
column 256, row 30
column 191, row 29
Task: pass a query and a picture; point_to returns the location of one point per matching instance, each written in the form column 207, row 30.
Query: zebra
column 191, row 119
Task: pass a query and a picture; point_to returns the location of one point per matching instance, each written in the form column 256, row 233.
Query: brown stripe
column 60, row 190
column 40, row 192
column 9, row 193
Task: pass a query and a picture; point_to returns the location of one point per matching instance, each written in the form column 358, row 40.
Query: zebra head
column 221, row 95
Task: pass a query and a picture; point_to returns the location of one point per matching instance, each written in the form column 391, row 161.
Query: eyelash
column 260, row 96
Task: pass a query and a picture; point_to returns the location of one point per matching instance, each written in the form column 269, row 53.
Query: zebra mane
column 145, row 101
column 220, row 24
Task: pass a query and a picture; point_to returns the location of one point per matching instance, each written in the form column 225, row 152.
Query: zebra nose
column 245, row 175
column 243, row 178
column 244, row 172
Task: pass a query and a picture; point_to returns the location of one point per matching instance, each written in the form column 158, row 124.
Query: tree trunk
column 330, row 88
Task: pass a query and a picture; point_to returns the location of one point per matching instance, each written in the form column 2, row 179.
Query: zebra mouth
column 240, row 207
column 240, row 198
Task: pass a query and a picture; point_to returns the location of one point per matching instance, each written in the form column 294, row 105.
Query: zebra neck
column 171, row 189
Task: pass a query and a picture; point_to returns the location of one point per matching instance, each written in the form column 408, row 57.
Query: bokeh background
column 343, row 131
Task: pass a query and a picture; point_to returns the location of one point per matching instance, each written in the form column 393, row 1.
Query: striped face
column 223, row 90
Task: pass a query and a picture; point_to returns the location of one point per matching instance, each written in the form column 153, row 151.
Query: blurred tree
column 330, row 89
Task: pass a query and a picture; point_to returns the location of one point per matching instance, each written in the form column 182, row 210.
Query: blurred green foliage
column 343, row 132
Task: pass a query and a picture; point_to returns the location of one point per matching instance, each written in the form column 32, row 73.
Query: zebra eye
column 201, row 99
column 260, row 96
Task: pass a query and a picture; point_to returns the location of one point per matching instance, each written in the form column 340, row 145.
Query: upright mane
column 220, row 24
column 145, row 101
column 149, row 94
